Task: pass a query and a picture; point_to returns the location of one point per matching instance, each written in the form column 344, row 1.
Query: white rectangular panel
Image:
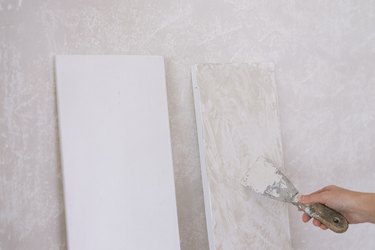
column 116, row 153
column 238, row 121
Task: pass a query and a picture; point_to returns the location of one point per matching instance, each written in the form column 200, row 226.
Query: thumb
column 313, row 198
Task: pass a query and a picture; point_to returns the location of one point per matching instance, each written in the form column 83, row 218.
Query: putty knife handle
column 327, row 216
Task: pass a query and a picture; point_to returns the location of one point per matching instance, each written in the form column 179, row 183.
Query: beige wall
column 324, row 56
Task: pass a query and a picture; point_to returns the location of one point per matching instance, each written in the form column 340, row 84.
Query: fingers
column 321, row 190
column 330, row 187
column 316, row 223
column 306, row 218
column 319, row 196
column 310, row 198
column 319, row 224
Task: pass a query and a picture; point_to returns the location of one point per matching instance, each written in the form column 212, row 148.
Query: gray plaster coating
column 324, row 52
column 238, row 121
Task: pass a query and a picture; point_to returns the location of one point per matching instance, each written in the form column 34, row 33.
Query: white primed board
column 116, row 152
column 238, row 121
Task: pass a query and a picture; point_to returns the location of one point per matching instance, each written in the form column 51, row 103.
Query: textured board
column 238, row 121
column 116, row 153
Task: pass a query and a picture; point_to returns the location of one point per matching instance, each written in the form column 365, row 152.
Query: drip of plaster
column 238, row 121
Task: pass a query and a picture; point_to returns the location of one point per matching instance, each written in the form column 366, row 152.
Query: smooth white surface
column 238, row 122
column 116, row 153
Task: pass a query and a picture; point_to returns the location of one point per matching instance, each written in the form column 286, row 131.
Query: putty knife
column 266, row 179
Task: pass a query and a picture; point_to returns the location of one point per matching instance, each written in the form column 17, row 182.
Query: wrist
column 369, row 206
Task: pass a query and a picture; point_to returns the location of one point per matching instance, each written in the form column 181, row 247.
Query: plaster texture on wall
column 238, row 122
column 324, row 52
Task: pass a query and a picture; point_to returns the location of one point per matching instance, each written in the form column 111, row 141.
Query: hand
column 357, row 207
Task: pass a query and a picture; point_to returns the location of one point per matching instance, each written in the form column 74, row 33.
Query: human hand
column 357, row 207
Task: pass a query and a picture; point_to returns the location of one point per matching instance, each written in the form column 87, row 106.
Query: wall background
column 324, row 53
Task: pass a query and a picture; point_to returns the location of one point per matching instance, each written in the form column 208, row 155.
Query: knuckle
column 330, row 187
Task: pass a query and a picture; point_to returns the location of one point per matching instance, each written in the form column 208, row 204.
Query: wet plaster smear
column 238, row 121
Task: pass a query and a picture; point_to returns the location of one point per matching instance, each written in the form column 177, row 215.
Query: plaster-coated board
column 238, row 121
column 116, row 153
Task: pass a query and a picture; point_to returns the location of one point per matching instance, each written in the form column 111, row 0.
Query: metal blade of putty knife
column 266, row 179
